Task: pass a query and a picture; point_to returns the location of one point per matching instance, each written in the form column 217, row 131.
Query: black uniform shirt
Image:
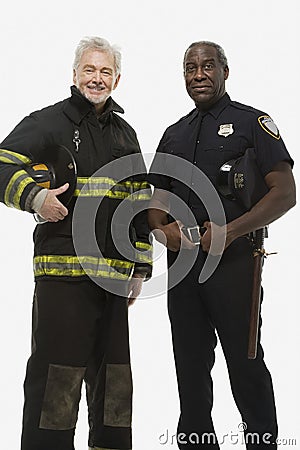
column 208, row 140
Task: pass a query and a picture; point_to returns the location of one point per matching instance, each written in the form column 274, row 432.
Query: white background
column 261, row 40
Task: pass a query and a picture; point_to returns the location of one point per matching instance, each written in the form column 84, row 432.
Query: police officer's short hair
column 97, row 43
column 220, row 52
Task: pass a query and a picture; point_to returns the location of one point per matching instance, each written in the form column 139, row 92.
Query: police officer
column 216, row 131
column 80, row 328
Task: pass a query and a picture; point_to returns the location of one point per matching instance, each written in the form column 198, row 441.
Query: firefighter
column 80, row 324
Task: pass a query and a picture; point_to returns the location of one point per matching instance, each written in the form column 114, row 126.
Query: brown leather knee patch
column 62, row 396
column 118, row 395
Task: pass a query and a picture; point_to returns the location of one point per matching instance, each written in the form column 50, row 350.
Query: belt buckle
column 194, row 234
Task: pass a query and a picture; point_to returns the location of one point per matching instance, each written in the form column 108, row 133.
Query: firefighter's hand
column 172, row 237
column 135, row 287
column 214, row 240
column 52, row 209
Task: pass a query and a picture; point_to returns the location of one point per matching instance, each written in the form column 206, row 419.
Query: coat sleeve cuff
column 30, row 198
column 145, row 270
column 38, row 200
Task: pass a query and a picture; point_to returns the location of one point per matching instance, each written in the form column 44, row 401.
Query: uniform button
column 198, row 142
column 195, row 162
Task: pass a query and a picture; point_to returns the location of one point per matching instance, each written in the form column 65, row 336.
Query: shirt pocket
column 214, row 156
column 225, row 152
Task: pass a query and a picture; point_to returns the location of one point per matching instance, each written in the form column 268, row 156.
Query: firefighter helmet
column 55, row 167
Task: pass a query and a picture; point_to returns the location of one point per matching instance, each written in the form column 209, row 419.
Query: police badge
column 226, row 129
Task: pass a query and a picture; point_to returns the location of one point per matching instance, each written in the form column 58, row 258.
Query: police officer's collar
column 215, row 110
column 79, row 106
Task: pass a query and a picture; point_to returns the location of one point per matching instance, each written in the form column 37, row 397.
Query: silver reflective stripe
column 15, row 188
column 144, row 253
column 108, row 187
column 61, row 265
column 10, row 157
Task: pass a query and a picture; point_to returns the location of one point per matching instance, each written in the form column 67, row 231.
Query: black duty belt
column 195, row 233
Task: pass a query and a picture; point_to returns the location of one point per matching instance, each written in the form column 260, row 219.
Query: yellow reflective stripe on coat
column 145, row 255
column 108, row 187
column 7, row 156
column 76, row 266
column 15, row 188
column 143, row 245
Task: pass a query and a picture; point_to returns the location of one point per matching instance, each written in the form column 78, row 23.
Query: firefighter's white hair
column 98, row 43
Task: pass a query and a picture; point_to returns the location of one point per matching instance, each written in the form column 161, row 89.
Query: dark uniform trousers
column 197, row 312
column 80, row 332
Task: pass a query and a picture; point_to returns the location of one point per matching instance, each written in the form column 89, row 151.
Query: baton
column 258, row 254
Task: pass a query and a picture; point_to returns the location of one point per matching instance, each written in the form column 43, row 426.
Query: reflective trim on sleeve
column 108, row 187
column 145, row 255
column 143, row 245
column 10, row 157
column 62, row 265
column 15, row 188
column 142, row 194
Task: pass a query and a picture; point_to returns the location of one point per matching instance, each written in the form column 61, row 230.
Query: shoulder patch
column 269, row 126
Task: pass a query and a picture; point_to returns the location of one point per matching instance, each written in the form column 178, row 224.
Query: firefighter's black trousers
column 198, row 312
column 80, row 333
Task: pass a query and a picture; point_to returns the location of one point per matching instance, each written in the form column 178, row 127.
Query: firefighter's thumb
column 60, row 189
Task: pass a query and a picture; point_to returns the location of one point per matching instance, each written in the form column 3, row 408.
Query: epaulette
column 183, row 118
column 246, row 108
column 187, row 115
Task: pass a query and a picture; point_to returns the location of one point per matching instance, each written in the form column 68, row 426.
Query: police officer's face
column 204, row 76
column 96, row 77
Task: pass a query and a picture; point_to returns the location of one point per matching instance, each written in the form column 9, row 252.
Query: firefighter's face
column 96, row 77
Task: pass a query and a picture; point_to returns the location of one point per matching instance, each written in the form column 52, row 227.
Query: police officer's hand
column 172, row 237
column 214, row 240
column 135, row 287
column 52, row 209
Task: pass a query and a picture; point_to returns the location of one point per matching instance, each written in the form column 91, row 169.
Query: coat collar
column 79, row 107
